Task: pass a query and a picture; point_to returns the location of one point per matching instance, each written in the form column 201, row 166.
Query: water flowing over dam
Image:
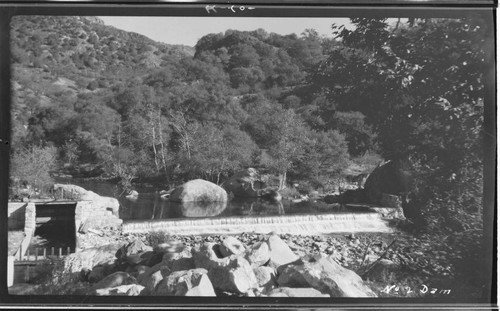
column 295, row 224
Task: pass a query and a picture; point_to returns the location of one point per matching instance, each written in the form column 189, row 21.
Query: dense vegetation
column 88, row 96
column 303, row 106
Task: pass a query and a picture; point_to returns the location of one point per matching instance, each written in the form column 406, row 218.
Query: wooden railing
column 25, row 266
column 41, row 254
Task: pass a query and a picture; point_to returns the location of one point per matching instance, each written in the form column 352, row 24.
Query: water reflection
column 255, row 207
column 151, row 206
column 200, row 209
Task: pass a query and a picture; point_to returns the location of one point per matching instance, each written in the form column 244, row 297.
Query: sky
column 188, row 30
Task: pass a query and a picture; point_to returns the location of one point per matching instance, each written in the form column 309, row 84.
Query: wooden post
column 52, row 250
column 28, row 254
column 68, row 251
column 60, row 251
column 44, row 253
column 36, row 255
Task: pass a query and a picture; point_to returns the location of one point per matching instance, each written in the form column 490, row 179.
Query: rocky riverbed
column 111, row 263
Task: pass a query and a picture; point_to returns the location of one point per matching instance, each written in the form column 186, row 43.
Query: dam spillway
column 299, row 224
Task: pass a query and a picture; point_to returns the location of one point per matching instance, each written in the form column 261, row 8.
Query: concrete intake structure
column 69, row 214
column 294, row 224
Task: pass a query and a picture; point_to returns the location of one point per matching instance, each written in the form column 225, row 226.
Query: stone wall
column 22, row 216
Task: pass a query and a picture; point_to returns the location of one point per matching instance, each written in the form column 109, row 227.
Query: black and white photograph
column 251, row 157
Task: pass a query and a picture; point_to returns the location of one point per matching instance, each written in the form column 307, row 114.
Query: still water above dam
column 150, row 206
column 149, row 212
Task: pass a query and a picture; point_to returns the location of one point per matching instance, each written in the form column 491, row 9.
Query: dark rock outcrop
column 392, row 177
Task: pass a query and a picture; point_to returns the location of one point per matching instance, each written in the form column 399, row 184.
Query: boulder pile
column 267, row 268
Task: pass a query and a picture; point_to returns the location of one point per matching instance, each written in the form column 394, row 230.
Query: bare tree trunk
column 157, row 199
column 282, row 184
column 281, row 209
column 164, row 162
column 119, row 147
column 153, row 134
column 162, row 207
column 180, row 126
column 188, row 147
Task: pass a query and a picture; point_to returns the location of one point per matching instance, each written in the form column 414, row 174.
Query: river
column 149, row 205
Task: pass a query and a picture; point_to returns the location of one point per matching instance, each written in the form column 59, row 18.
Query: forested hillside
column 302, row 107
column 140, row 108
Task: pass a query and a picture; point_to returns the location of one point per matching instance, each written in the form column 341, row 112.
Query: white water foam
column 294, row 224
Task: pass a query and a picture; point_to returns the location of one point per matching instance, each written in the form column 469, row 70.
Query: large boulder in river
column 246, row 183
column 392, row 177
column 198, row 190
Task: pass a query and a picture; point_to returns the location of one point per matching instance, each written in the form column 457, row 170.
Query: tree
column 359, row 136
column 286, row 141
column 421, row 87
column 220, row 152
column 33, row 165
column 185, row 132
column 325, row 155
column 70, row 151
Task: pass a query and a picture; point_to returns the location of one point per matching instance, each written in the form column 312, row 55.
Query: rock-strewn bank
column 267, row 267
column 241, row 261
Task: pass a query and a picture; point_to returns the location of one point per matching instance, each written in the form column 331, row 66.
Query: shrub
column 155, row 238
column 289, row 193
column 92, row 85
